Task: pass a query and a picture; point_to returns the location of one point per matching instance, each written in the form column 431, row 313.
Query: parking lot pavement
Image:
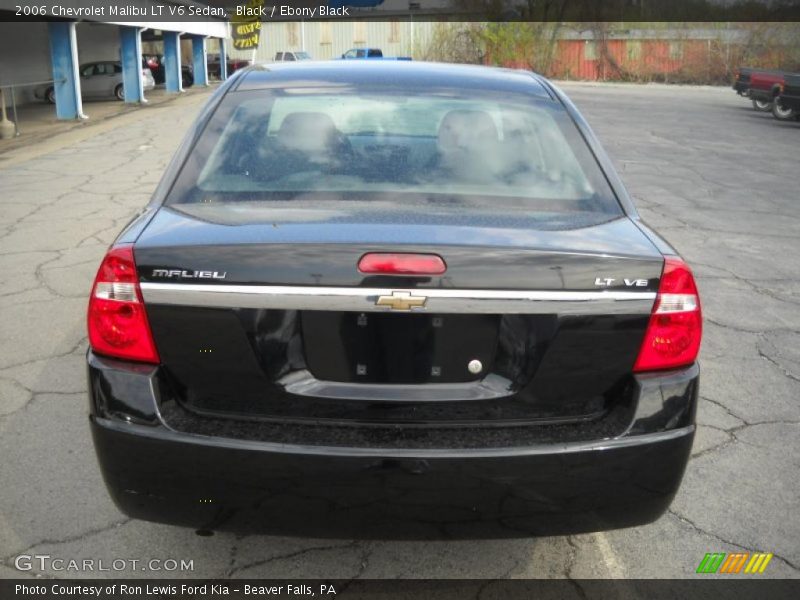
column 37, row 121
column 719, row 180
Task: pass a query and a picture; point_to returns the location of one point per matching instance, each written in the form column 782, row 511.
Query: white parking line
column 615, row 569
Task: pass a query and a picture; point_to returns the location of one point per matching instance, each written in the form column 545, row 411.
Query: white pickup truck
column 292, row 56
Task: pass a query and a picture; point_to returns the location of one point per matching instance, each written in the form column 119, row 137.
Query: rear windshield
column 486, row 154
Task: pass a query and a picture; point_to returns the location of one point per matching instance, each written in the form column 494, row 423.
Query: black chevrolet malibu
column 387, row 299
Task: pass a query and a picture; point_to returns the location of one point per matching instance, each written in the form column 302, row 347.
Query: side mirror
column 342, row 55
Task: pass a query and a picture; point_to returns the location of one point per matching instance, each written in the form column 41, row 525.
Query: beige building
column 330, row 39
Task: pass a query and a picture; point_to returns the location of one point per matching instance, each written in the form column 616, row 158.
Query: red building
column 675, row 55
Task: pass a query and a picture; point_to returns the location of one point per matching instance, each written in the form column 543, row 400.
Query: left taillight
column 117, row 321
column 675, row 329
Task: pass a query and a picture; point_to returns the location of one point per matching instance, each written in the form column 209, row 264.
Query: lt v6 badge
column 608, row 282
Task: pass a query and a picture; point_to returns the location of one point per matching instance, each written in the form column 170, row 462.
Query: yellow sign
column 247, row 28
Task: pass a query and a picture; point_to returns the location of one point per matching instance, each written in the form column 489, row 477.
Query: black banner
column 747, row 587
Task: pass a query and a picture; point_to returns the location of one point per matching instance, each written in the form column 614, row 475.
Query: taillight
column 117, row 321
column 676, row 324
column 385, row 263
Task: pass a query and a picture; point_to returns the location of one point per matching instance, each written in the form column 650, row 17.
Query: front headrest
column 307, row 132
column 466, row 129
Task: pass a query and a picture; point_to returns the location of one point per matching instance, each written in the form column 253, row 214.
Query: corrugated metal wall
column 325, row 40
column 639, row 59
column 633, row 59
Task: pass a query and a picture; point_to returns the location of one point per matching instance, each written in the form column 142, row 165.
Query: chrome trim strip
column 364, row 299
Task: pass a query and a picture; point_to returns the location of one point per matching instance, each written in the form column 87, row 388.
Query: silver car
column 99, row 80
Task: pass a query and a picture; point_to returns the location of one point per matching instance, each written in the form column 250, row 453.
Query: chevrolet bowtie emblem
column 401, row 301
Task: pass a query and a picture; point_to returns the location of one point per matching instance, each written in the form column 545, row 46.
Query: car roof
column 392, row 73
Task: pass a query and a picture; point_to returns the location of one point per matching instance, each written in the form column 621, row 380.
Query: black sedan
column 392, row 300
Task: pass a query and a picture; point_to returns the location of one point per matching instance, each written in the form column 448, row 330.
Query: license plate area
column 398, row 348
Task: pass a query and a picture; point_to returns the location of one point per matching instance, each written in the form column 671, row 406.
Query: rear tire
column 119, row 92
column 782, row 114
column 762, row 105
column 50, row 95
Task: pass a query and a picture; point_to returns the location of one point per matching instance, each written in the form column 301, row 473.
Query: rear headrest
column 466, row 129
column 308, row 132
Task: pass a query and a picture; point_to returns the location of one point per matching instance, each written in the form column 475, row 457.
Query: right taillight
column 675, row 329
column 117, row 320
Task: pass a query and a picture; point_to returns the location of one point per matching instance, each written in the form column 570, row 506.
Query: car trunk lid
column 275, row 320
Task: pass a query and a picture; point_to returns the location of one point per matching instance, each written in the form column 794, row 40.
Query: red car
column 763, row 86
column 233, row 64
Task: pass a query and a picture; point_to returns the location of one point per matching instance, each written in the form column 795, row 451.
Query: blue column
column 223, row 60
column 172, row 61
column 200, row 60
column 64, row 57
column 130, row 44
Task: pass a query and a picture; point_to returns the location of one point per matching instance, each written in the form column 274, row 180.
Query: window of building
column 360, row 32
column 394, row 31
column 676, row 50
column 291, row 33
column 590, row 50
column 634, row 48
column 325, row 36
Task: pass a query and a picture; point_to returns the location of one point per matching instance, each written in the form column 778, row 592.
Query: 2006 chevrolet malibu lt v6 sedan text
column 392, row 300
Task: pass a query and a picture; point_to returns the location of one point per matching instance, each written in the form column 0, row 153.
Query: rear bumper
column 156, row 473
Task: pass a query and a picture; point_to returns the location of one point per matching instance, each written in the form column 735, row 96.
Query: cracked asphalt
column 719, row 180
